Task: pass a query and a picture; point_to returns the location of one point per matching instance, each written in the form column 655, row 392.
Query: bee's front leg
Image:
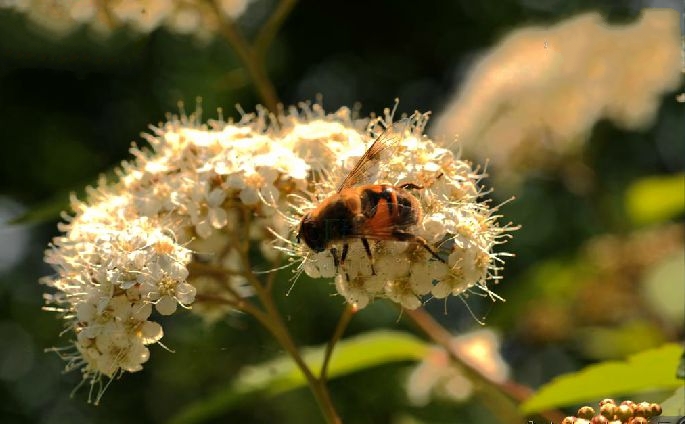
column 343, row 256
column 365, row 242
column 338, row 263
column 334, row 253
column 411, row 186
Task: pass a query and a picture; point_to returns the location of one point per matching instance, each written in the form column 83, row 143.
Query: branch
column 345, row 318
column 271, row 27
column 441, row 336
column 253, row 64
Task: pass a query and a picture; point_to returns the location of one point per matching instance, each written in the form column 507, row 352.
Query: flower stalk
column 511, row 390
column 253, row 55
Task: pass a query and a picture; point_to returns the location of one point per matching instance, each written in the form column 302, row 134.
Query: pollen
column 163, row 248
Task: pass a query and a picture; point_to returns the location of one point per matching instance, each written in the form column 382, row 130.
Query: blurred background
column 598, row 272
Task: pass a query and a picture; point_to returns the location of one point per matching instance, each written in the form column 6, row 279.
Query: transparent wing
column 362, row 169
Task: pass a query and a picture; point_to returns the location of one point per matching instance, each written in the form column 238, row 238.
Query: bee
column 364, row 211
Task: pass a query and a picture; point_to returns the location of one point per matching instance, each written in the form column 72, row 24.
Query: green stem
column 317, row 386
column 271, row 27
column 345, row 318
column 273, row 321
column 253, row 63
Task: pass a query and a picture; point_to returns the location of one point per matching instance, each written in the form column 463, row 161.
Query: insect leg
column 411, row 186
column 404, row 236
column 365, row 242
column 343, row 256
column 336, row 263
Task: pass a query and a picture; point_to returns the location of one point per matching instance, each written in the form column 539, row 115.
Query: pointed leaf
column 656, row 199
column 281, row 374
column 44, row 212
column 650, row 369
column 674, row 405
column 51, row 208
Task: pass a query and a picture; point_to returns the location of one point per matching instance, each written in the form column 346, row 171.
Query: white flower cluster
column 531, row 102
column 183, row 217
column 111, row 269
column 181, row 16
column 459, row 228
column 198, row 196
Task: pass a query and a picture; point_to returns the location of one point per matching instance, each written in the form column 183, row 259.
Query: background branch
column 441, row 336
column 270, row 28
column 252, row 55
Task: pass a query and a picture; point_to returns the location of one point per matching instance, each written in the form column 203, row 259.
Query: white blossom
column 437, row 375
column 531, row 102
column 181, row 16
column 201, row 197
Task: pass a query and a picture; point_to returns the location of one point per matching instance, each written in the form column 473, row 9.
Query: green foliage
column 655, row 199
column 51, row 208
column 46, row 211
column 651, row 369
column 551, row 282
column 281, row 374
column 71, row 106
column 673, row 406
column 662, row 287
column 611, row 342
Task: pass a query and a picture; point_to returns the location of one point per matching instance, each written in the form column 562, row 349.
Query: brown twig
column 273, row 321
column 345, row 318
column 270, row 28
column 441, row 336
column 252, row 56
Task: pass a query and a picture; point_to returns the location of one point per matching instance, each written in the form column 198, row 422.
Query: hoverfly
column 364, row 211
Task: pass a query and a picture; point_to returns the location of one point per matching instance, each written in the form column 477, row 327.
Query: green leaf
column 650, row 369
column 618, row 341
column 656, row 199
column 45, row 211
column 662, row 288
column 281, row 374
column 51, row 208
column 673, row 406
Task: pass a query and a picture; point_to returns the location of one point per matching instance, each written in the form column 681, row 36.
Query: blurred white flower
column 531, row 102
column 182, row 16
column 437, row 375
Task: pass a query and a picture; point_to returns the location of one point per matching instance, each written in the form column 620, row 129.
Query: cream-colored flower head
column 185, row 217
column 181, row 16
column 531, row 102
column 177, row 224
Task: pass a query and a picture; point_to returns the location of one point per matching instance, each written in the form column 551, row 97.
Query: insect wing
column 362, row 169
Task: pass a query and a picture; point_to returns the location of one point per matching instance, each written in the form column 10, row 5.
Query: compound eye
column 313, row 234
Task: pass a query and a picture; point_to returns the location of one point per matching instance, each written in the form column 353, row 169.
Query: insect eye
column 314, row 235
